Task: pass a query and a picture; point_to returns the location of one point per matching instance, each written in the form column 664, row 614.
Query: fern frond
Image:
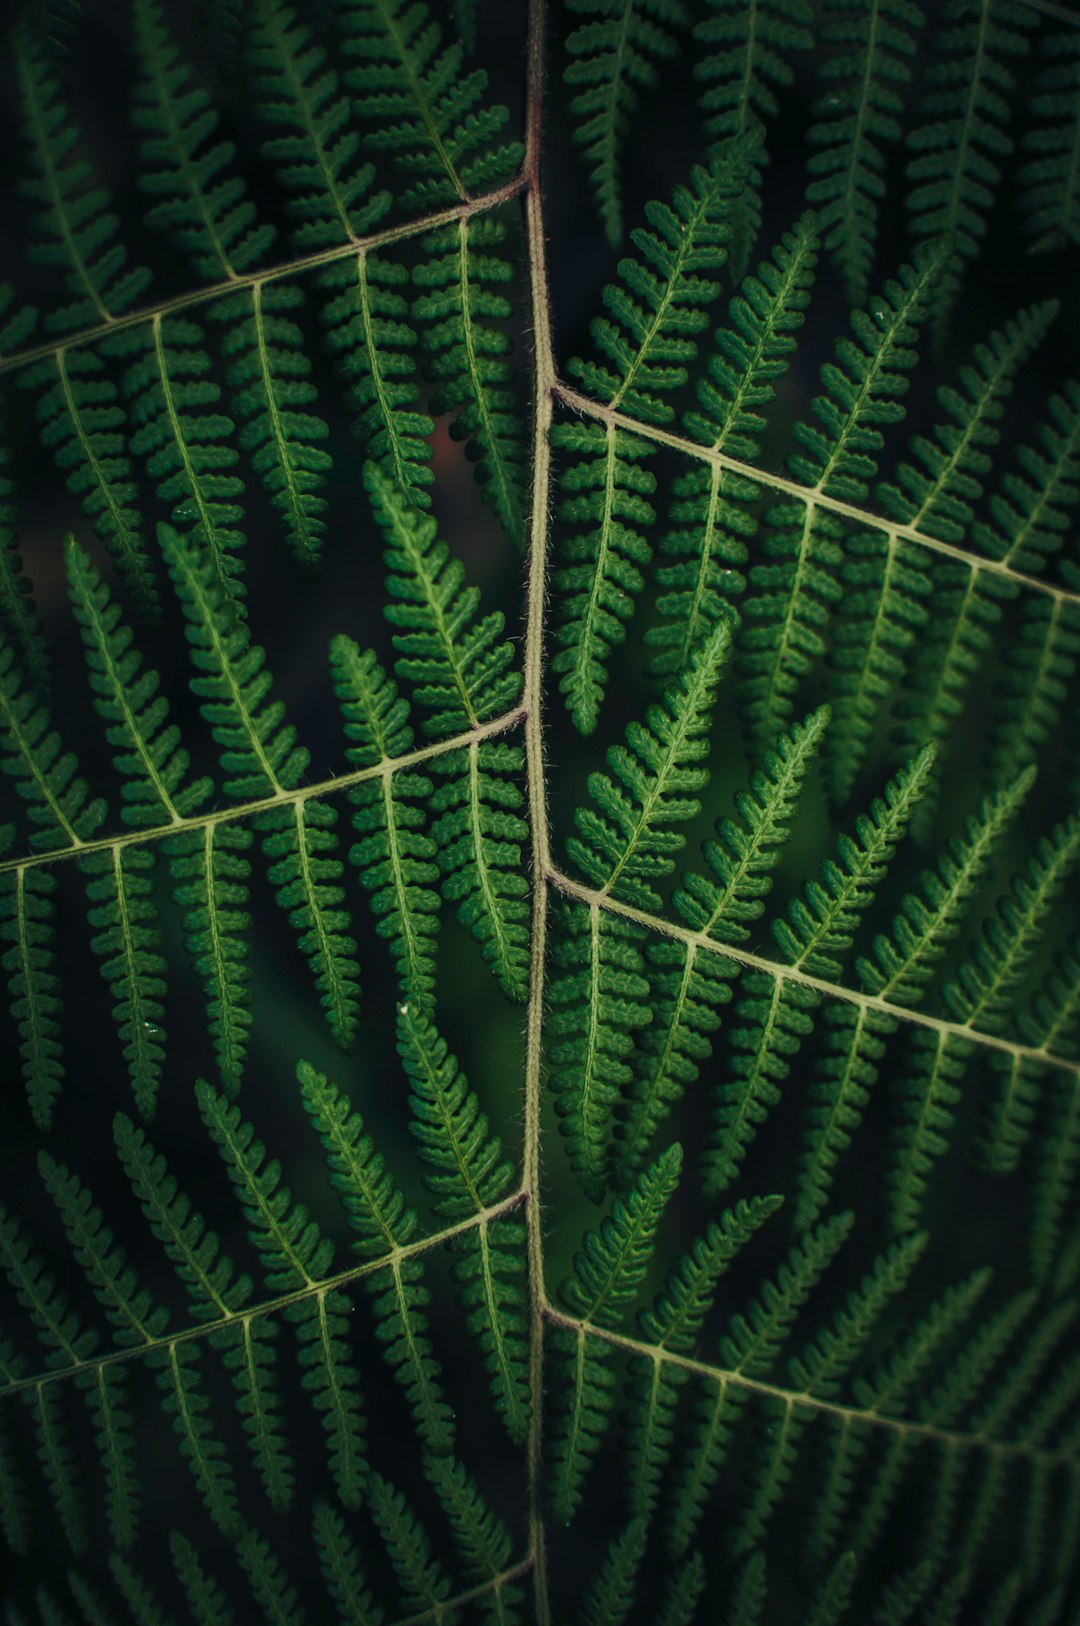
column 820, row 926
column 294, row 1254
column 885, row 1389
column 944, row 1404
column 186, row 442
column 422, row 111
column 268, row 1584
column 395, row 856
column 128, row 939
column 817, row 1371
column 903, row 961
column 684, row 1590
column 317, row 154
column 150, row 759
column 674, row 1323
column 1048, row 184
column 215, row 1292
column 77, row 232
column 797, row 588
column 137, row 1321
column 260, row 754
column 202, row 207
column 27, row 927
column 624, row 842
column 608, row 1272
column 68, row 1343
column 751, row 1346
column 981, row 994
column 424, row 1584
column 688, row 987
column 613, row 57
column 647, row 337
column 962, row 140
column 775, row 1016
column 605, row 488
column 342, row 1569
column 747, row 1597
column 382, row 1224
column 480, row 1536
column 462, row 674
column 610, row 1594
column 369, row 331
column 272, row 395
column 210, row 873
column 865, row 75
column 982, row 997
column 468, row 356
column 85, row 426
column 645, row 343
column 21, row 626
column 743, row 64
column 46, row 777
column 204, row 1597
column 600, row 1001
column 467, row 1175
column 708, row 516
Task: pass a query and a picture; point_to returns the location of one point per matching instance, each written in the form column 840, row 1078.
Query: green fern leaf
column 625, row 843
column 68, row 1343
column 368, row 329
column 480, row 1537
column 138, row 1322
column 45, row 776
column 296, row 1257
column 86, row 426
column 689, row 985
column 674, row 1324
column 965, row 109
column 342, row 1571
column 468, row 1177
column 468, row 356
column 204, row 209
column 205, row 1598
column 748, row 1595
column 272, row 395
column 215, row 1293
column 709, row 522
column 613, row 56
column 610, row 1595
column 210, row 873
column 22, row 629
column 395, row 856
column 607, row 1274
column 1048, row 184
column 600, row 1001
column 683, row 1593
column 185, row 442
column 750, row 1348
column 128, row 939
column 646, row 341
column 77, row 233
column 865, row 78
column 424, row 1584
column 461, row 674
column 423, row 111
column 797, row 588
column 278, row 1601
column 260, row 754
column 27, row 926
column 382, row 1225
column 743, row 64
column 776, row 1015
column 316, row 153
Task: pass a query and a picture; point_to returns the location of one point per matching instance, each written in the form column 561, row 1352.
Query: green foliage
column 613, row 57
column 259, row 1312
